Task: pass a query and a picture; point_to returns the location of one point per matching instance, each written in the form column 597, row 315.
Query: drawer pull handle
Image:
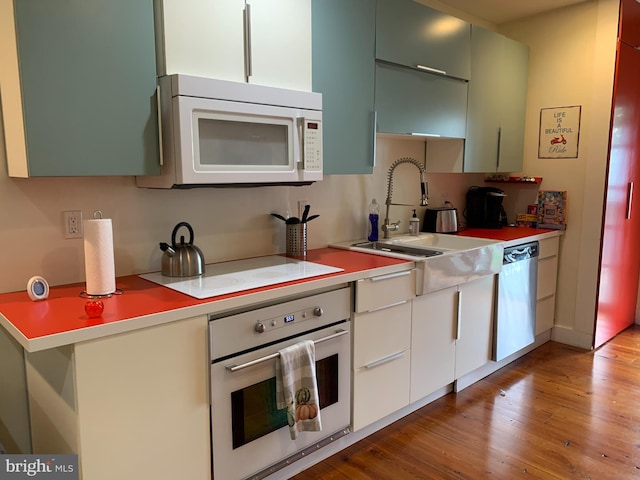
column 384, row 360
column 387, row 306
column 391, row 275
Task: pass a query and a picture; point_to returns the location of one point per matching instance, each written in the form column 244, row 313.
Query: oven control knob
column 318, row 311
column 259, row 328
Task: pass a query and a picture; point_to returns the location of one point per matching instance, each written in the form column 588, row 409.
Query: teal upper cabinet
column 410, row 102
column 416, row 36
column 422, row 70
column 497, row 103
column 343, row 71
column 266, row 42
column 78, row 88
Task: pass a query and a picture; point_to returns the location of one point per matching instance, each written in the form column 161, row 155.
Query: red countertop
column 506, row 233
column 63, row 313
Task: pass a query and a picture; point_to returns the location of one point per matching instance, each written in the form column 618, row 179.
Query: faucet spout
column 388, row 227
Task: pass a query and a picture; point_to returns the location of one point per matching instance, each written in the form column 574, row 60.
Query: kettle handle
column 175, row 230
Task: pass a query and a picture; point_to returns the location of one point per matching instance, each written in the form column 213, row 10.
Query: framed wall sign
column 559, row 132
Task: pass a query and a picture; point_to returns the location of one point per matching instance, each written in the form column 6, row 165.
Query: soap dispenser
column 374, row 214
column 414, row 224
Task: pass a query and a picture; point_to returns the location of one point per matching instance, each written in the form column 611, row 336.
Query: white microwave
column 221, row 133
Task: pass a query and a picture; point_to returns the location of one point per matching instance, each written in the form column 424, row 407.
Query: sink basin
column 402, row 249
column 441, row 241
column 441, row 260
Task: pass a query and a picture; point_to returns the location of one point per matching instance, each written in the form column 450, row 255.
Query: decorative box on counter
column 552, row 209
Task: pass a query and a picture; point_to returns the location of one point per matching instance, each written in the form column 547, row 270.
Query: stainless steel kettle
column 181, row 259
column 441, row 220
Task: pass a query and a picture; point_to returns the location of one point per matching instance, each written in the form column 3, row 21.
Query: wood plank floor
column 556, row 413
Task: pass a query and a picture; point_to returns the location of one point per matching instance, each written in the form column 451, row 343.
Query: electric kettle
column 181, row 259
column 441, row 220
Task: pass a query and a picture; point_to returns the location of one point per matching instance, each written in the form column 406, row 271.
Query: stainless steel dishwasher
column 515, row 326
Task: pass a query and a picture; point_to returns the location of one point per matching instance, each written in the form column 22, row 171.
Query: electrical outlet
column 301, row 205
column 72, row 224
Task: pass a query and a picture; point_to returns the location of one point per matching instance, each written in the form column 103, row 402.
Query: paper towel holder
column 97, row 215
column 84, row 294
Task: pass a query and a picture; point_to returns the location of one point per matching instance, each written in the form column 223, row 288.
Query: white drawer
column 549, row 247
column 381, row 333
column 545, row 313
column 547, row 276
column 380, row 390
column 375, row 292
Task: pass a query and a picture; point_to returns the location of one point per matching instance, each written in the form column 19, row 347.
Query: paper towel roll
column 98, row 256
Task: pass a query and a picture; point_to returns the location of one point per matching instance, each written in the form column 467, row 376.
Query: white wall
column 572, row 63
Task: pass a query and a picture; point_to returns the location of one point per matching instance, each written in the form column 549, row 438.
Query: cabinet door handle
column 375, row 130
column 391, row 275
column 418, row 134
column 247, row 42
column 431, row 69
column 158, row 102
column 499, row 145
column 629, row 199
column 459, row 316
column 384, row 360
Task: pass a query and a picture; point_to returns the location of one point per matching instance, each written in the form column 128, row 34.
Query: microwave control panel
column 312, row 145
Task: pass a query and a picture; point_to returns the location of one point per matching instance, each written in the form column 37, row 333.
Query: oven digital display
column 289, row 318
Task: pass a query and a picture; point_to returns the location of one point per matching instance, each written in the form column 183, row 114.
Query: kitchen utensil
column 181, row 259
column 305, row 214
column 277, row 215
column 311, row 218
column 292, row 221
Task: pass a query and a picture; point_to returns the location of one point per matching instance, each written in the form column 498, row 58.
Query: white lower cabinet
column 451, row 334
column 433, row 342
column 124, row 401
column 381, row 346
column 547, row 279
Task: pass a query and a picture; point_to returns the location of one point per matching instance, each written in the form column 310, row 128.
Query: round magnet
column 37, row 288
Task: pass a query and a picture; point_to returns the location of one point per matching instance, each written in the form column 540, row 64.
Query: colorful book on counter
column 552, row 209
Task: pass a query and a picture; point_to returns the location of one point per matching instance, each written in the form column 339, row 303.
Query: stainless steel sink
column 397, row 248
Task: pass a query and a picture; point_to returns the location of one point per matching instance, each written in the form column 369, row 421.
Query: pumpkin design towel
column 296, row 387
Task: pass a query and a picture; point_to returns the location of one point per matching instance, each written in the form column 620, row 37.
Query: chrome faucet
column 388, row 227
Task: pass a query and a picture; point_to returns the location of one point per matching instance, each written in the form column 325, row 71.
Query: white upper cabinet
column 266, row 42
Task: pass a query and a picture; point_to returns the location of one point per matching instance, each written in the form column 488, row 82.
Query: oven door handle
column 235, row 368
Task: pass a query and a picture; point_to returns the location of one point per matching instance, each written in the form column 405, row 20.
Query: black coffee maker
column 484, row 208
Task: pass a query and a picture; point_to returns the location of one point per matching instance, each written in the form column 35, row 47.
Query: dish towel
column 296, row 387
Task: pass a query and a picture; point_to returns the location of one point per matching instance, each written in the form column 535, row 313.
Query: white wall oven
column 250, row 436
column 216, row 132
